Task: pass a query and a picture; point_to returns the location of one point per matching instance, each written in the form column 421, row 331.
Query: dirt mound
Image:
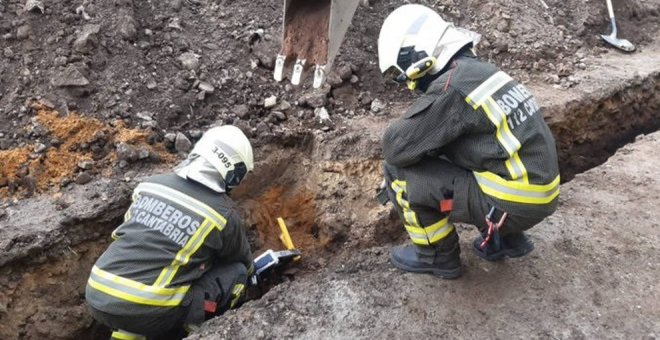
column 188, row 64
column 78, row 148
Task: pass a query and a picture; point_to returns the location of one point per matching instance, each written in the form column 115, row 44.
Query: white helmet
column 223, row 150
column 415, row 41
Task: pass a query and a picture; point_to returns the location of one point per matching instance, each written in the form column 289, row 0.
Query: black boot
column 442, row 259
column 511, row 245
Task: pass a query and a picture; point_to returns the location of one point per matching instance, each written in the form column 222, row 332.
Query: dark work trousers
column 215, row 285
column 434, row 179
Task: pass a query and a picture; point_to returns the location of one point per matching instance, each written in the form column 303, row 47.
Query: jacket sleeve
column 433, row 121
column 236, row 245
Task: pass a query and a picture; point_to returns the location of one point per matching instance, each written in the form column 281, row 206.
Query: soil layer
column 586, row 278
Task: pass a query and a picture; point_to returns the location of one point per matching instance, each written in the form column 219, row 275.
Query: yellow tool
column 285, row 237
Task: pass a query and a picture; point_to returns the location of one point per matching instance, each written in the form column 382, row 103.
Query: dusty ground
column 152, row 75
column 594, row 274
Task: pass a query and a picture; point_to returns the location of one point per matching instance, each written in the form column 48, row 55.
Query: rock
column 345, row 96
column 279, row 115
column 34, row 5
column 189, row 61
column 503, row 25
column 267, row 60
column 70, row 77
column 283, row 106
column 170, row 137
column 241, row 111
column 377, row 105
column 315, row 99
column 40, row 147
column 182, row 143
column 323, row 115
column 143, row 153
column 144, row 116
column 354, row 79
column 80, row 10
column 262, row 128
column 334, row 80
column 195, row 134
column 127, row 27
column 23, row 32
column 126, row 153
column 8, row 53
column 83, row 178
column 86, row 164
column 270, row 102
column 345, row 72
column 3, row 213
column 149, row 124
column 206, row 87
column 86, row 39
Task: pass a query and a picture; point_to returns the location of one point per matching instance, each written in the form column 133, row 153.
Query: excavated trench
column 322, row 186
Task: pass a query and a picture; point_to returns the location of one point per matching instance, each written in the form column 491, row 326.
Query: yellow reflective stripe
column 237, row 292
column 130, row 297
column 416, row 239
column 134, row 291
column 430, row 229
column 441, row 233
column 504, row 134
column 183, row 256
column 137, row 285
column 507, row 139
column 418, row 234
column 432, row 233
column 514, row 191
column 521, row 171
column 184, row 200
column 124, row 335
column 487, row 88
column 409, row 216
column 238, row 289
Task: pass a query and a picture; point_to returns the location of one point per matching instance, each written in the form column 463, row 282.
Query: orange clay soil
column 61, row 162
column 298, row 211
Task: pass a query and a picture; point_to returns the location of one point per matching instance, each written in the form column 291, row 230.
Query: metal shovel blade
column 621, row 44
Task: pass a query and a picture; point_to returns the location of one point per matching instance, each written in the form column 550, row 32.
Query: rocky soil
column 96, row 94
column 593, row 275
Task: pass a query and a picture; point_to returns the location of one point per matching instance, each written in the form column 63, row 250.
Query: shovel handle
column 610, row 9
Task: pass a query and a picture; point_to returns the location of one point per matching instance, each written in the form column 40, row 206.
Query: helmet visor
column 396, row 74
column 234, row 177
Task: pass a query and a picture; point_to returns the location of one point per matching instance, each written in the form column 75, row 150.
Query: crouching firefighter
column 181, row 255
column 474, row 148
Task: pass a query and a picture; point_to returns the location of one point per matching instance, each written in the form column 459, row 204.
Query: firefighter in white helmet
column 181, row 255
column 473, row 148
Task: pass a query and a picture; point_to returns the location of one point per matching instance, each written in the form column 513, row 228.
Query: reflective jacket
column 481, row 119
column 174, row 231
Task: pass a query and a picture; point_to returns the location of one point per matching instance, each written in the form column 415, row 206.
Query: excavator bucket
column 312, row 34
